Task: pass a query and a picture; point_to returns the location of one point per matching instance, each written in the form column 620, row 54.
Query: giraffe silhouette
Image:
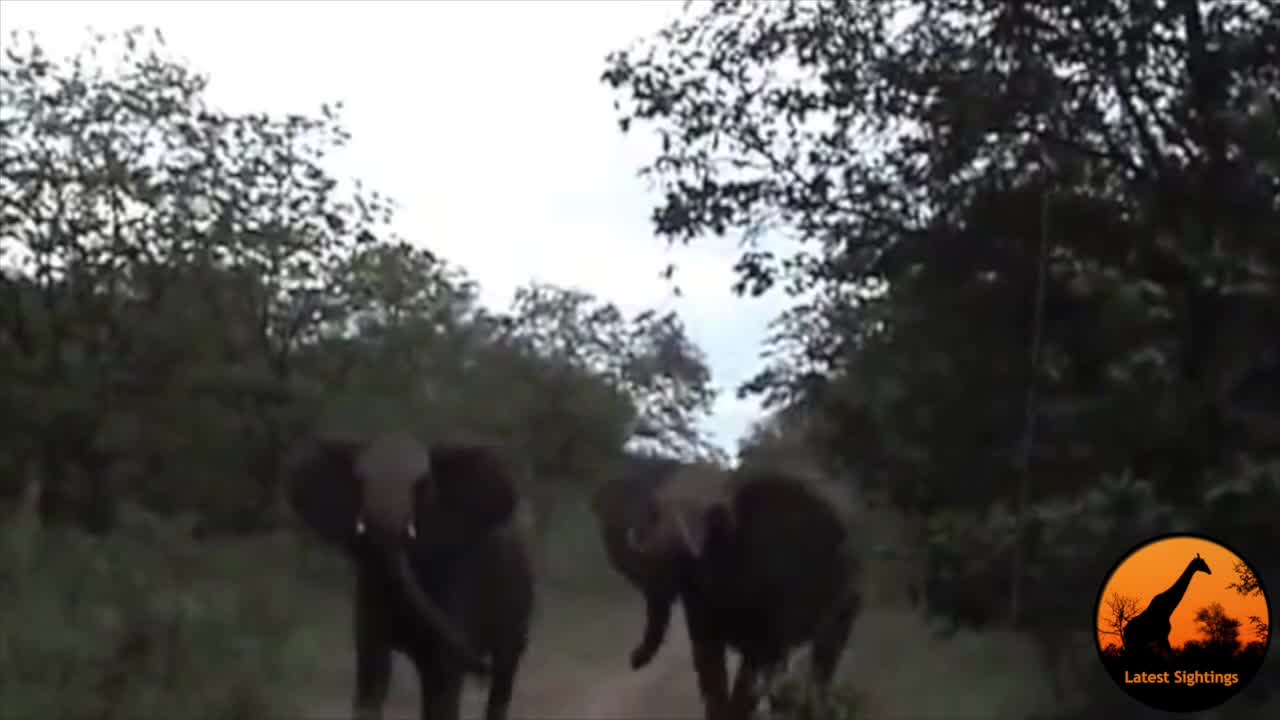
column 1150, row 628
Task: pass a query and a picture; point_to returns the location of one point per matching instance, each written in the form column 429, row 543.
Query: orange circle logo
column 1183, row 623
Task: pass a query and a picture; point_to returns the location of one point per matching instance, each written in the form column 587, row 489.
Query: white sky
column 486, row 122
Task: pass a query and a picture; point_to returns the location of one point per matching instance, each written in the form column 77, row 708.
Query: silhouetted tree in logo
column 1247, row 585
column 1121, row 609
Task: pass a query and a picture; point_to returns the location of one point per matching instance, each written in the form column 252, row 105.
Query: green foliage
column 145, row 624
column 795, row 699
column 646, row 361
column 189, row 290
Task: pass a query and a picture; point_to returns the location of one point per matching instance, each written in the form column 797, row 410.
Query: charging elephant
column 443, row 575
column 760, row 562
column 620, row 506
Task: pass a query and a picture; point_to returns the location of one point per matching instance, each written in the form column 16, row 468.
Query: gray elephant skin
column 441, row 573
column 761, row 563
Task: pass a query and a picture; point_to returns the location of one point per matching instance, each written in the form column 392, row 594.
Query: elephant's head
column 685, row 514
column 368, row 495
column 392, row 469
column 347, row 488
column 621, row 505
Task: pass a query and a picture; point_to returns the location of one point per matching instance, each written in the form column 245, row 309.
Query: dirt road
column 554, row 686
column 561, row 681
column 577, row 668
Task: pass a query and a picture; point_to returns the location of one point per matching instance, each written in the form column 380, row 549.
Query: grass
column 903, row 672
column 148, row 623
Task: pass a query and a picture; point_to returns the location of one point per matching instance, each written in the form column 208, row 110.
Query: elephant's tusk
column 359, row 526
column 412, row 531
column 691, row 543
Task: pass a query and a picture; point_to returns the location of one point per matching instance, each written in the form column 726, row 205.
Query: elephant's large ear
column 321, row 483
column 598, row 500
column 692, row 509
column 475, row 484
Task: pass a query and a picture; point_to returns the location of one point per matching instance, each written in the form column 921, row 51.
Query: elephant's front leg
column 373, row 661
column 713, row 678
column 829, row 644
column 506, row 663
column 658, row 602
column 708, row 665
column 746, row 695
column 440, row 692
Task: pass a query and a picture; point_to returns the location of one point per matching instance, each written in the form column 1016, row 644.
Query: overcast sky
column 486, row 122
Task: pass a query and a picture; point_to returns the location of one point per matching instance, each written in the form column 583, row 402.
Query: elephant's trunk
column 441, row 624
column 393, row 467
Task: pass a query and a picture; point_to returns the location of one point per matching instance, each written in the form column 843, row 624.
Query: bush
column 145, row 623
column 793, row 698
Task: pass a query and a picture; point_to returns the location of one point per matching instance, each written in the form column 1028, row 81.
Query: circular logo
column 1183, row 623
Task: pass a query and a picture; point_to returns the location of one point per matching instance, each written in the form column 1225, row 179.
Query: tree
column 1219, row 629
column 1247, row 584
column 1261, row 628
column 647, row 358
column 187, row 291
column 1120, row 610
column 1246, row 580
column 152, row 245
column 765, row 109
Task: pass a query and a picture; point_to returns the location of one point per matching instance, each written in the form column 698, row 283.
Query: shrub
column 794, row 698
column 145, row 623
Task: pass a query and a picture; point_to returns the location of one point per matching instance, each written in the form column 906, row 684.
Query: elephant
column 620, row 506
column 761, row 562
column 443, row 574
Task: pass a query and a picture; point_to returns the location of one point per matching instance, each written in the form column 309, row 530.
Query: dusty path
column 577, row 668
column 607, row 689
column 560, row 681
column 555, row 686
